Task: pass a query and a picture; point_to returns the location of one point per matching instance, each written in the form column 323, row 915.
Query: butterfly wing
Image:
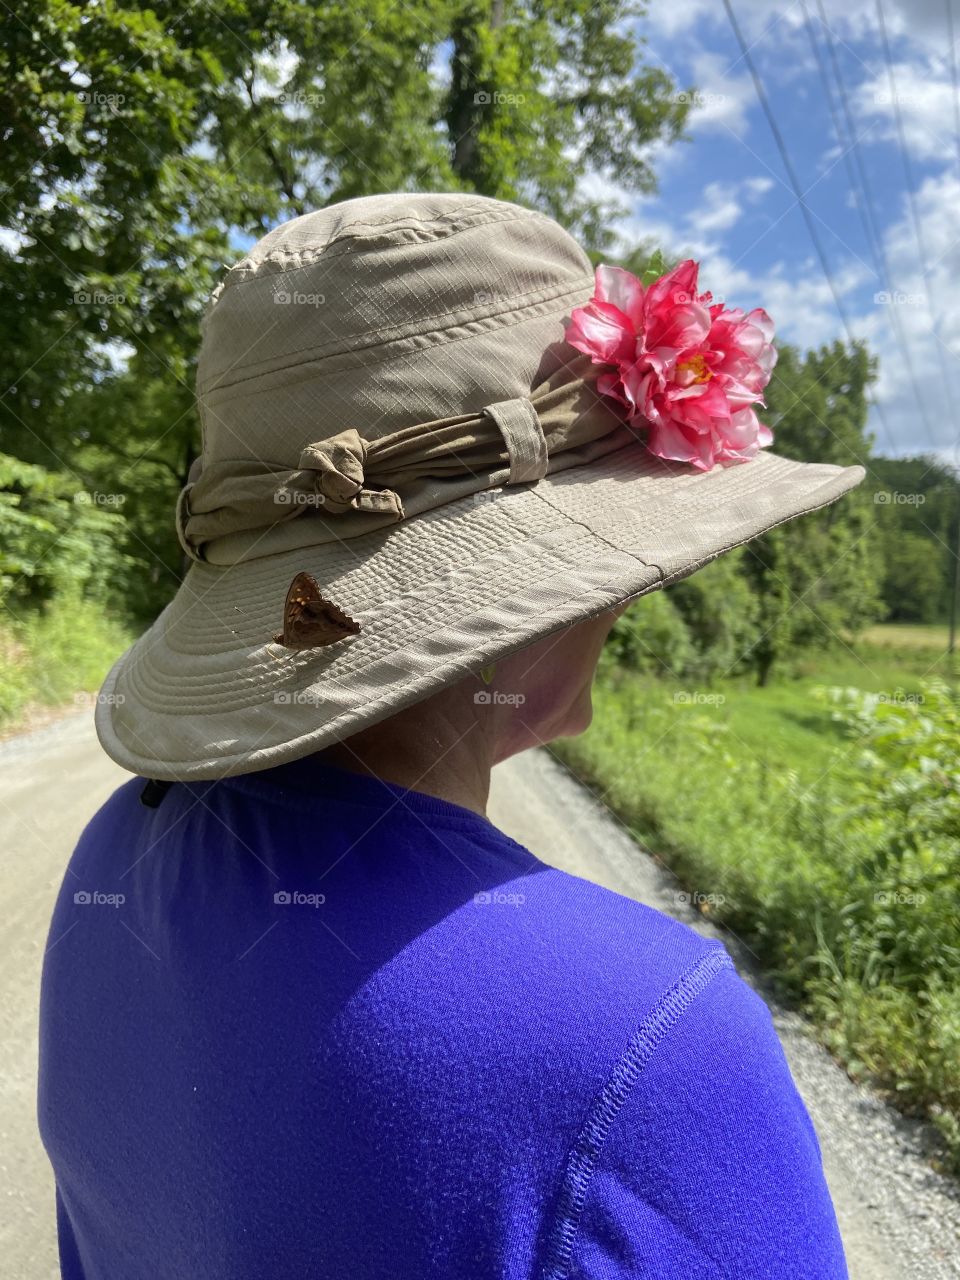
column 310, row 621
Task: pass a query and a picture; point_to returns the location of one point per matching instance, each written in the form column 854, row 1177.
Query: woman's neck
column 438, row 747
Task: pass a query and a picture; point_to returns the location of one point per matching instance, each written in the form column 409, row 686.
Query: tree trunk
column 471, row 92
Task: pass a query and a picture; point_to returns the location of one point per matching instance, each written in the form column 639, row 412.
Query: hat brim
column 206, row 693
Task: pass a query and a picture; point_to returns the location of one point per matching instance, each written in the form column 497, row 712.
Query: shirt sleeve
column 709, row 1166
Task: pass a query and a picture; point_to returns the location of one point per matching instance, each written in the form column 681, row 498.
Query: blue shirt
column 302, row 1023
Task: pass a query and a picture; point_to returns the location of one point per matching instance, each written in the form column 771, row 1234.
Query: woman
column 306, row 1012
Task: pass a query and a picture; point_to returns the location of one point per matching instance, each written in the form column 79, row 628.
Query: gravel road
column 898, row 1218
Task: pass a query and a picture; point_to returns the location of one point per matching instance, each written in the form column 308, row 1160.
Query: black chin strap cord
column 154, row 791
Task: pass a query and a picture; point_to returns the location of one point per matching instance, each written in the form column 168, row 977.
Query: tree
column 917, row 504
column 543, row 94
column 145, row 147
column 817, row 579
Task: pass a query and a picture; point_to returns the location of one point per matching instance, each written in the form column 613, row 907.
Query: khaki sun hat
column 390, row 406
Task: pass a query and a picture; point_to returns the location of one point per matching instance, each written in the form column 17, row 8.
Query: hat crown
column 382, row 312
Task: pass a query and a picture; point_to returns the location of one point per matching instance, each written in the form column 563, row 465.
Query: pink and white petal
column 668, row 440
column 760, row 320
column 641, row 383
column 676, row 287
column 741, row 432
column 713, row 400
column 767, row 360
column 603, row 332
column 610, row 384
column 623, row 290
column 683, row 326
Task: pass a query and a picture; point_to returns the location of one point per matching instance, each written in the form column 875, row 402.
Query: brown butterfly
column 309, row 620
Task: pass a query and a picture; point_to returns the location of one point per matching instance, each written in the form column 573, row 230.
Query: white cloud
column 722, row 208
column 924, row 95
column 721, row 99
column 697, row 231
column 923, row 21
column 695, row 35
column 757, row 187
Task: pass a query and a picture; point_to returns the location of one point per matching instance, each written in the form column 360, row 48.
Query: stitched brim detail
column 205, row 693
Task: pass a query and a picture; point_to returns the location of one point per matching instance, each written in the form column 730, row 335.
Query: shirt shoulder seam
column 585, row 1153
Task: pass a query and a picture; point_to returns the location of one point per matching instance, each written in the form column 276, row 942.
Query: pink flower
column 683, row 366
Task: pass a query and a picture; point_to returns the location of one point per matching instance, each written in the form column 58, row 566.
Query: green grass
column 787, row 724
column 768, row 802
column 907, row 635
column 47, row 658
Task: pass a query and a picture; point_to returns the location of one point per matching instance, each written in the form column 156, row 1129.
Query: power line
column 798, row 193
column 955, row 82
column 922, row 254
column 865, row 202
column 953, row 79
column 901, row 136
column 847, row 148
column 955, row 597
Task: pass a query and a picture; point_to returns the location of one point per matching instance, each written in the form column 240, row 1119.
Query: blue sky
column 725, row 197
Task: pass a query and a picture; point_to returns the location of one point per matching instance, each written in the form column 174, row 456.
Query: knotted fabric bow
column 348, row 473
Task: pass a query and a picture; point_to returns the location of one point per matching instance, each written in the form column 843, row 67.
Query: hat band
column 347, row 474
column 524, row 437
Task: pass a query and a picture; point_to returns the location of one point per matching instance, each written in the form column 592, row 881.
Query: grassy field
column 903, row 635
column 47, row 659
column 823, row 828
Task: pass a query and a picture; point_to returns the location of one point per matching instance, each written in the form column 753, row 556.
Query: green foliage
column 828, row 842
column 701, row 628
column 721, row 614
column 56, row 536
column 541, row 94
column 655, row 267
column 916, row 578
column 62, row 570
column 650, row 636
column 145, row 147
column 916, row 504
column 52, row 655
column 899, row 940
column 817, row 578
